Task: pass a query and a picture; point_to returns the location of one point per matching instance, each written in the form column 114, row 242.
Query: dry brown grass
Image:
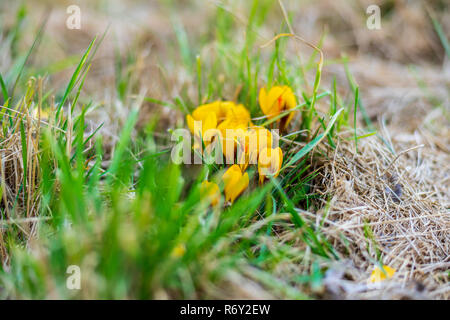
column 20, row 207
column 401, row 199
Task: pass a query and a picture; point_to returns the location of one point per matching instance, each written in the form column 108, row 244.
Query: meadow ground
column 87, row 179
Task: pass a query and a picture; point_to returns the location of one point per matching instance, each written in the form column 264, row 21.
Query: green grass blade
column 37, row 40
column 4, row 90
column 75, row 77
column 353, row 86
column 300, row 154
column 121, row 148
column 440, row 32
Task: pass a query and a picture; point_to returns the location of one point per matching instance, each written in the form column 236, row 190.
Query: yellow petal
column 238, row 116
column 210, row 122
column 251, row 147
column 275, row 100
column 279, row 153
column 211, row 192
column 240, row 186
column 235, row 182
column 250, row 144
column 290, row 103
column 269, row 163
column 201, row 112
column 178, row 251
column 289, row 98
column 263, row 100
column 190, row 122
column 219, row 108
column 230, row 178
column 231, row 135
column 223, row 109
column 264, row 138
column 378, row 275
column 223, row 130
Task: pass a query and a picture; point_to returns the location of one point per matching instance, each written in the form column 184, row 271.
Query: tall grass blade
column 300, row 154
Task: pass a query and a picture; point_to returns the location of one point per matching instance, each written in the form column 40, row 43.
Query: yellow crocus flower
column 235, row 182
column 269, row 163
column 378, row 275
column 277, row 100
column 211, row 192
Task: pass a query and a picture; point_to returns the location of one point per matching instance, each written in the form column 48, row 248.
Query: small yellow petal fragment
column 178, row 251
column 378, row 275
column 211, row 192
column 263, row 100
column 190, row 122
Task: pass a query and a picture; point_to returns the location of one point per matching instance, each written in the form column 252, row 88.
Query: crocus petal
column 269, row 163
column 201, row 112
column 289, row 98
column 276, row 100
column 211, row 192
column 219, row 108
column 264, row 138
column 210, row 122
column 252, row 146
column 230, row 178
column 190, row 122
column 223, row 109
column 276, row 165
column 290, row 103
column 238, row 116
column 240, row 186
column 251, row 143
column 235, row 182
column 378, row 275
column 263, row 100
column 231, row 136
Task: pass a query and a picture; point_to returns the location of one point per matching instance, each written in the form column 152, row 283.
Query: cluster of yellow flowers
column 254, row 144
